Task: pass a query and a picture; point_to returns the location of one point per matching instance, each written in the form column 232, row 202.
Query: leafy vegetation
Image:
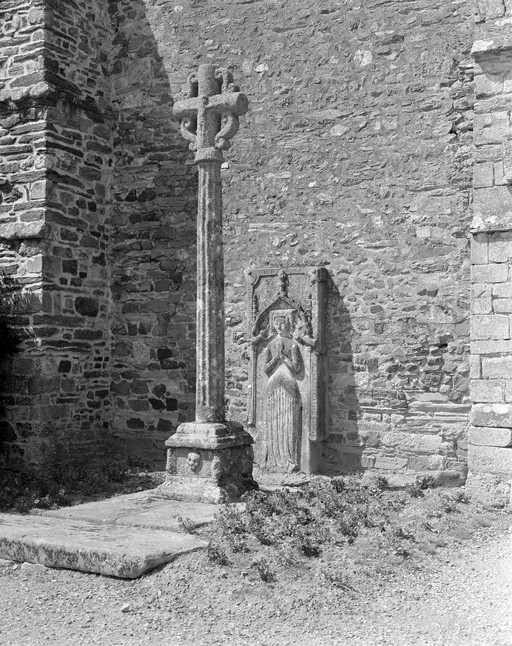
column 347, row 525
column 21, row 492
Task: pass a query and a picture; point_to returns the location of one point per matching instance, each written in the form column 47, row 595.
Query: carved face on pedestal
column 194, row 461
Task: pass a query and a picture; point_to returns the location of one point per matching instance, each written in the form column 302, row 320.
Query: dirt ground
column 459, row 596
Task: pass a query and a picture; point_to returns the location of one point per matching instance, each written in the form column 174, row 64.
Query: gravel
column 461, row 596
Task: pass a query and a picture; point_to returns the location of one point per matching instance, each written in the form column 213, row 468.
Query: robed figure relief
column 282, row 424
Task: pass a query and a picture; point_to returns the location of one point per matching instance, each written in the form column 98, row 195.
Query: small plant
column 186, row 525
column 449, row 503
column 425, row 482
column 216, row 553
column 337, row 577
column 404, row 533
column 415, row 491
column 265, row 571
column 460, row 496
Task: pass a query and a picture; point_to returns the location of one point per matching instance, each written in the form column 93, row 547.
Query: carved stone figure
column 288, row 404
column 283, row 406
column 194, row 461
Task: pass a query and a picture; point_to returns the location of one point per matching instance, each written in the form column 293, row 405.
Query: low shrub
column 303, row 520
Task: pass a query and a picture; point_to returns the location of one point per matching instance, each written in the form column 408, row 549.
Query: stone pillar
column 211, row 459
column 490, row 433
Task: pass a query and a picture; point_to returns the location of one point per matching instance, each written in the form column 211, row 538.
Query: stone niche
column 288, row 380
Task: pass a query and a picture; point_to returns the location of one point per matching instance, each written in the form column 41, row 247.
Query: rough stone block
column 491, row 208
column 475, row 366
column 486, row 87
column 479, row 249
column 491, row 347
column 490, row 459
column 499, row 175
column 502, row 290
column 481, row 299
column 489, row 128
column 487, row 391
column 490, row 9
column 395, row 464
column 483, row 175
column 500, row 247
column 495, row 273
column 489, row 488
column 490, row 436
column 497, row 367
column 494, row 326
column 498, row 415
column 502, row 305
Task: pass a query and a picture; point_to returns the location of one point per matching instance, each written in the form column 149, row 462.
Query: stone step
column 141, row 509
column 112, row 550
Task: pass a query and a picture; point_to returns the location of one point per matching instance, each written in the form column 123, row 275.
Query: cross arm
column 235, row 103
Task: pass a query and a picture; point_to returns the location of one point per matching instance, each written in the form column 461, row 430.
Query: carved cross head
column 210, row 113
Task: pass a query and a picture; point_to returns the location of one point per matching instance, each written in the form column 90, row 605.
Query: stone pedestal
column 209, row 462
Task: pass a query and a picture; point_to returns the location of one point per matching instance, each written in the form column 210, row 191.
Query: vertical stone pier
column 211, row 459
column 490, row 433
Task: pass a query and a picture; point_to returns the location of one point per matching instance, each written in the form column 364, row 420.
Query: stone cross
column 209, row 119
column 210, row 459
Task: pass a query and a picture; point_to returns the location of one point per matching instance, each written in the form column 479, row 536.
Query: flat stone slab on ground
column 120, row 551
column 141, row 509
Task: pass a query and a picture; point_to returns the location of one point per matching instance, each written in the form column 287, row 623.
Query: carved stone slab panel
column 286, row 310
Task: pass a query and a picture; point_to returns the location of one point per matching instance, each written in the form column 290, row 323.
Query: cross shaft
column 209, row 120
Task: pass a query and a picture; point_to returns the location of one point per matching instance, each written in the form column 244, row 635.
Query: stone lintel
column 490, row 436
column 209, row 435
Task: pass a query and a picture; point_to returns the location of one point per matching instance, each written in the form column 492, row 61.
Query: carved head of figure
column 282, row 322
column 194, row 461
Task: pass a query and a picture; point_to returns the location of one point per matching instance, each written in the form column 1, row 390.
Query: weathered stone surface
column 497, row 367
column 487, row 391
column 499, row 415
column 495, row 326
column 144, row 509
column 490, row 459
column 488, row 436
column 489, row 488
column 112, row 551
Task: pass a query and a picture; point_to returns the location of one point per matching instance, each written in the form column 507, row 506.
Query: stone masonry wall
column 56, row 157
column 490, row 436
column 356, row 153
column 22, row 193
column 153, row 243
